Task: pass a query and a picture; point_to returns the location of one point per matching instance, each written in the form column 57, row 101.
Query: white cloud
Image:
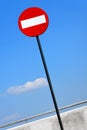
column 40, row 82
column 11, row 117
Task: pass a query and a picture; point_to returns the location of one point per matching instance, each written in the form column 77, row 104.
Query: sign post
column 33, row 22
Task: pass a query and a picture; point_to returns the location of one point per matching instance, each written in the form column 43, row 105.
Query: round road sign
column 33, row 21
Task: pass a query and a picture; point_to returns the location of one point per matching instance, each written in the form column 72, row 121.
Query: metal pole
column 49, row 82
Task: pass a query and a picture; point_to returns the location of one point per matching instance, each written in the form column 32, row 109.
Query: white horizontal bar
column 33, row 21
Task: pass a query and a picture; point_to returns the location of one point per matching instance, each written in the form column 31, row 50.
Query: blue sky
column 23, row 86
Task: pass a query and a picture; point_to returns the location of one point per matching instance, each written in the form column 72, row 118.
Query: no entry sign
column 33, row 21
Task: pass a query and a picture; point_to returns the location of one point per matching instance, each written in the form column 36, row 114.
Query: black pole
column 49, row 82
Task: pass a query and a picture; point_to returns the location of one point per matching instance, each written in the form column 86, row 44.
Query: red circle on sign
column 33, row 21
